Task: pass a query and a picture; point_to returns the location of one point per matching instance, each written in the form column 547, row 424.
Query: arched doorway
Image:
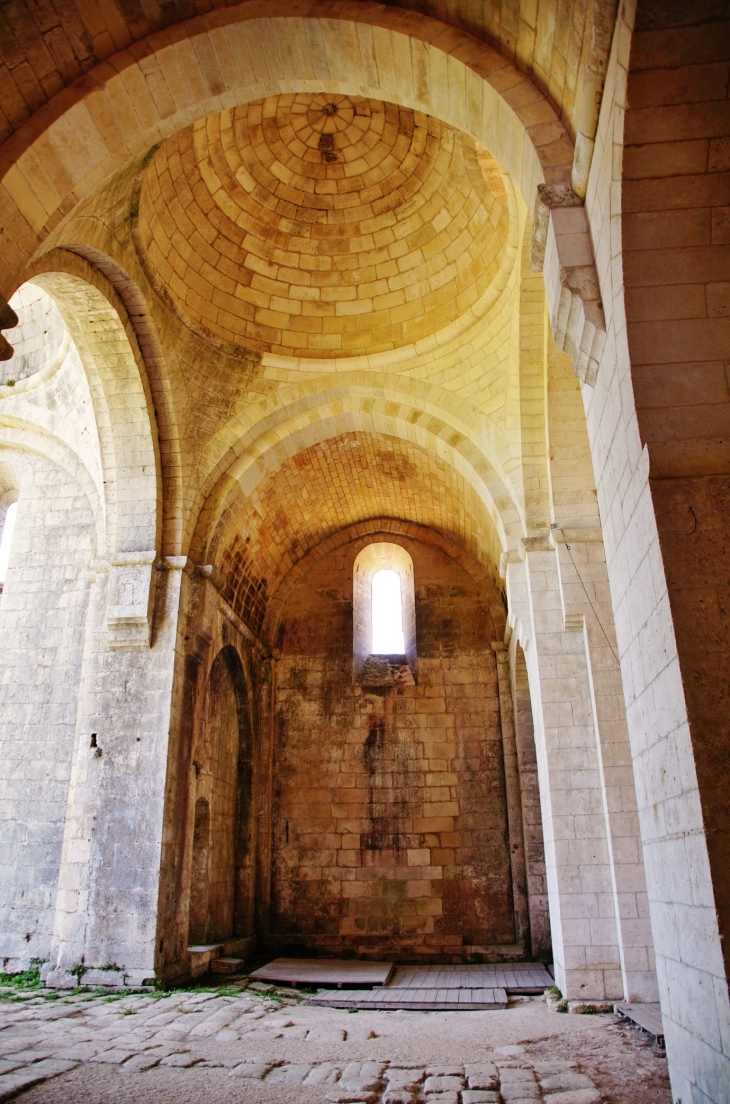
column 222, row 869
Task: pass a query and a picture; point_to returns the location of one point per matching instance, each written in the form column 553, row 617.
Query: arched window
column 387, row 614
column 8, row 526
column 384, row 615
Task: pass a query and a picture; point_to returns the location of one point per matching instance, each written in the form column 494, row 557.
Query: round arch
column 122, row 410
column 353, row 412
column 254, row 50
column 359, row 535
column 260, row 49
column 23, row 436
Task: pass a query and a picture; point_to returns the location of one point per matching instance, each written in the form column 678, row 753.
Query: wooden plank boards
column 647, row 1016
column 391, row 998
column 518, row 977
column 324, row 971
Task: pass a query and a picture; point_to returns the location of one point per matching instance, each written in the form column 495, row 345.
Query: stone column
column 580, row 890
column 106, row 914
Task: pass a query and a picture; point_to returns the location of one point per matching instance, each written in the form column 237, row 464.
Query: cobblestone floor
column 240, row 1045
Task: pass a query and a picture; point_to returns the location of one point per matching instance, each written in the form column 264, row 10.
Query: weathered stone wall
column 676, row 226
column 656, row 175
column 390, row 823
column 531, row 814
column 42, row 620
column 213, row 791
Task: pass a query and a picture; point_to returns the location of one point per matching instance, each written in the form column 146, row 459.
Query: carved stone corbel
column 131, row 595
column 576, row 309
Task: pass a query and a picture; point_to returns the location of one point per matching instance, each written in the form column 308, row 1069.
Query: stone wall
column 216, row 797
column 690, row 969
column 42, row 622
column 390, row 823
column 531, row 814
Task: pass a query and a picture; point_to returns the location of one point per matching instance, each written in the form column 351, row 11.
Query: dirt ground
column 623, row 1062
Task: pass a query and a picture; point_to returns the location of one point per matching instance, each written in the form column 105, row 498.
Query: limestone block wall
column 531, row 813
column 42, row 622
column 216, row 760
column 109, row 879
column 390, row 813
column 690, row 969
column 676, row 233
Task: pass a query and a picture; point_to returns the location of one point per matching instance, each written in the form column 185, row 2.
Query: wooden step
column 647, row 1016
column 515, row 977
column 324, row 971
column 390, row 998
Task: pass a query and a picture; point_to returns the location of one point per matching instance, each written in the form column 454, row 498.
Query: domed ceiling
column 317, row 225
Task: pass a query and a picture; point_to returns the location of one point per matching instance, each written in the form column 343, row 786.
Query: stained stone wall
column 390, row 824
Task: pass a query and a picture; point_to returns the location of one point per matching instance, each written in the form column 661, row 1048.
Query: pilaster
column 588, row 612
column 577, row 857
column 106, row 913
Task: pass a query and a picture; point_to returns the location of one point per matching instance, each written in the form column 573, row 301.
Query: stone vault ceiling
column 325, row 488
column 320, row 225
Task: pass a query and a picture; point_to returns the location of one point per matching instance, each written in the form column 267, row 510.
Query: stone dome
column 319, row 225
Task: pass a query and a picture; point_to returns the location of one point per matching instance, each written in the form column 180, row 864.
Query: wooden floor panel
column 647, row 1016
column 324, row 971
column 417, row 1000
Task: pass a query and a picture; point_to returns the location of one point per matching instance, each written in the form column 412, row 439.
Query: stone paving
column 41, row 1039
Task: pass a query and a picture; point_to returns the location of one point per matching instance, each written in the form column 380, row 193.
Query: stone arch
column 129, row 452
column 375, row 557
column 96, row 267
column 355, row 409
column 360, row 534
column 22, row 435
column 370, row 49
column 222, row 867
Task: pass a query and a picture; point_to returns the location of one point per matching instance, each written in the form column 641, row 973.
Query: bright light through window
column 6, row 540
column 387, row 614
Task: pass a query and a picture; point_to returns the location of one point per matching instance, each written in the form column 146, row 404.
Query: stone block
column 508, row 1074
column 565, row 1081
column 114, row 1057
column 289, row 1074
column 520, row 1090
column 326, row 1074
column 179, row 1061
column 142, row 1062
column 443, row 1083
column 577, row 1096
column 255, row 1070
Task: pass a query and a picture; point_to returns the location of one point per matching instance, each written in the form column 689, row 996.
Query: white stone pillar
column 560, row 606
column 588, row 611
column 580, row 889
column 106, row 914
